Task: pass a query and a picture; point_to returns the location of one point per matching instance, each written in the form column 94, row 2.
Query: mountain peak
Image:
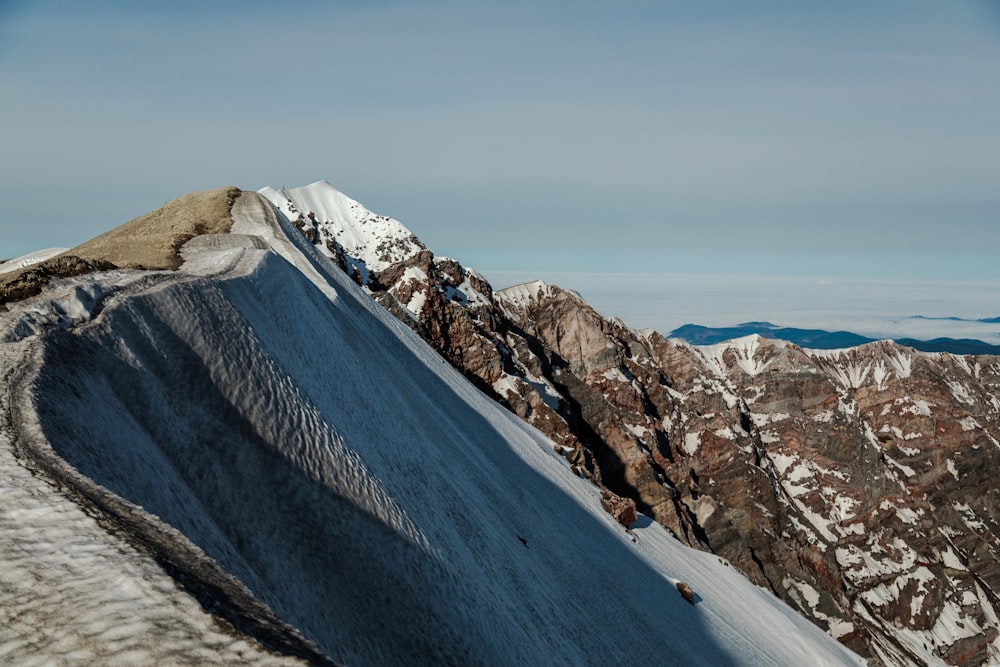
column 770, row 454
column 534, row 291
column 368, row 242
column 524, row 293
column 314, row 474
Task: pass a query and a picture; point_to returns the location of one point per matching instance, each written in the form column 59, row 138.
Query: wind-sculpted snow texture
column 292, row 454
column 73, row 594
column 857, row 485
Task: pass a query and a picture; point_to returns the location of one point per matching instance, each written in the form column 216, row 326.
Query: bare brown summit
column 151, row 241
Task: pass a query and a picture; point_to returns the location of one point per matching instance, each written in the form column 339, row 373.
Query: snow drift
column 260, row 407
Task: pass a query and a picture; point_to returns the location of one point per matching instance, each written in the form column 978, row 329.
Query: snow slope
column 259, row 403
column 70, row 593
column 31, row 258
column 372, row 241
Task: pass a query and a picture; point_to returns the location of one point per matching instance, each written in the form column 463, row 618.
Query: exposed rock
column 857, row 485
column 19, row 285
column 685, row 592
column 622, row 509
column 858, row 495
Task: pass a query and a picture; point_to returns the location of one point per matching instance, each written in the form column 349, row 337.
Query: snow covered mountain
column 217, row 449
column 830, row 340
column 855, row 484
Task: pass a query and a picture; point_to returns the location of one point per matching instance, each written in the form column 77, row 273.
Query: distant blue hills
column 985, row 320
column 829, row 340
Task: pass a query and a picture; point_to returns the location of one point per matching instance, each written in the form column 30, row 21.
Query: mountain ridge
column 807, row 469
column 263, row 407
column 853, row 484
column 828, row 340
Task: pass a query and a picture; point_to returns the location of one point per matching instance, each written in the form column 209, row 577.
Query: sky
column 533, row 139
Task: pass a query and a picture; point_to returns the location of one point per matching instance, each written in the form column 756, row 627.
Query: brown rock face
column 622, row 509
column 857, row 485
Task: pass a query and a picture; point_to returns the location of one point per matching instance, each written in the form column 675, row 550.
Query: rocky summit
column 856, row 484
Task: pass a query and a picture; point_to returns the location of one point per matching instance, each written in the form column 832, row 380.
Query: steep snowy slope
column 855, row 484
column 255, row 420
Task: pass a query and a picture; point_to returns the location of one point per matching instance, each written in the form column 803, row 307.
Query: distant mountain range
column 819, row 339
column 224, row 442
column 984, row 320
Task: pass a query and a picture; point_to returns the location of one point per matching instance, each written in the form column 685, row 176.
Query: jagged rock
column 857, row 485
column 622, row 509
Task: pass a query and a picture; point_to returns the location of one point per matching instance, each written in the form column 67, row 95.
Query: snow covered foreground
column 260, row 404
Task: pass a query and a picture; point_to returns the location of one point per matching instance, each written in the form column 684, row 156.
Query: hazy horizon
column 877, row 307
column 832, row 141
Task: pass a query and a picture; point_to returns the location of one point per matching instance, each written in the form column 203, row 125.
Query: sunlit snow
column 265, row 408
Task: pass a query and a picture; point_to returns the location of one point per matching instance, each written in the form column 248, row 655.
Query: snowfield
column 259, row 408
column 29, row 259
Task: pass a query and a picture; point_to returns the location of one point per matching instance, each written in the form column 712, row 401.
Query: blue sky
column 532, row 137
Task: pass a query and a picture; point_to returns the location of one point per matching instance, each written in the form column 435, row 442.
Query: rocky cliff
column 855, row 484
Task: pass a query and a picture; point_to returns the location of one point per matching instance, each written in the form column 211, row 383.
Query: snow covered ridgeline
column 376, row 250
column 224, row 399
column 330, row 218
column 754, row 449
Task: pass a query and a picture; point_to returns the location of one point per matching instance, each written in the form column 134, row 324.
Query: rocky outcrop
column 27, row 282
column 622, row 509
column 856, row 484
